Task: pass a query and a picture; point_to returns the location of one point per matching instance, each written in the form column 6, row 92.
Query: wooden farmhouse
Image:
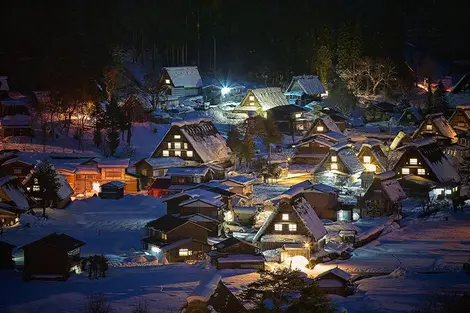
column 55, row 256
column 437, row 127
column 181, row 81
column 63, row 196
column 194, row 140
column 335, row 281
column 236, row 253
column 341, row 121
column 460, row 119
column 460, row 94
column 304, row 89
column 323, row 124
column 379, row 111
column 16, row 125
column 293, row 221
column 411, row 116
column 17, row 166
column 313, row 149
column 290, row 119
column 9, row 216
column 176, row 239
column 373, row 157
column 13, row 194
column 150, row 168
column 261, row 100
column 383, row 197
column 341, row 162
column 112, row 190
column 211, row 295
column 214, row 225
column 242, row 185
column 423, row 165
column 6, row 255
column 14, row 103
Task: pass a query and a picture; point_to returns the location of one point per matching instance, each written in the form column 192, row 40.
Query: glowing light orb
column 155, row 249
column 225, row 90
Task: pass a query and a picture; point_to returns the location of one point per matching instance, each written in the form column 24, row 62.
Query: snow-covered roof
column 65, row 190
column 269, row 97
column 393, row 189
column 188, row 171
column 242, row 258
column 20, row 159
column 336, row 136
column 105, row 163
column 198, row 217
column 205, row 289
column 324, row 188
column 310, row 84
column 176, row 244
column 187, row 76
column 416, row 112
column 398, row 139
column 164, row 162
column 377, row 153
column 115, row 183
column 440, row 122
column 90, row 169
column 329, row 123
column 385, row 175
column 349, row 158
column 240, row 179
column 14, row 190
column 213, row 202
column 337, row 272
column 17, row 120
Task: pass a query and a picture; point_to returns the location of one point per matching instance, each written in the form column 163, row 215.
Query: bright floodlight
column 225, row 90
column 155, row 249
column 298, row 262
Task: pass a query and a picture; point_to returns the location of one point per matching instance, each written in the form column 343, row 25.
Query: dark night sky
column 47, row 39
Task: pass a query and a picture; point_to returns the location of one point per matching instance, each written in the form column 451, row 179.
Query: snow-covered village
column 217, row 157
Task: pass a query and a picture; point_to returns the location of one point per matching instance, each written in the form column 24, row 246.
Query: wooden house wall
column 246, row 101
column 198, row 249
column 12, row 109
column 169, row 138
column 172, row 205
column 376, row 197
column 412, row 153
column 422, row 131
column 85, row 182
column 9, row 169
column 326, row 165
column 314, row 129
column 9, row 131
column 311, row 153
column 240, row 248
column 285, row 207
column 202, row 208
column 366, row 151
column 145, row 180
column 459, row 119
column 45, row 260
column 187, row 230
column 325, row 204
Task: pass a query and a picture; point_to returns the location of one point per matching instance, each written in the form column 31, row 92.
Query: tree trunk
column 269, row 153
column 129, row 134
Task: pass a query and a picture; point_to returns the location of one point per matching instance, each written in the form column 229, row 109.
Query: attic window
column 167, row 81
column 405, row 171
column 177, row 136
column 278, row 227
column 252, row 103
column 414, row 161
column 298, row 115
column 367, row 159
column 334, row 166
column 292, row 227
column 252, row 98
column 285, row 216
column 320, row 128
column 36, row 188
column 166, row 153
column 428, row 127
column 421, row 171
column 334, row 158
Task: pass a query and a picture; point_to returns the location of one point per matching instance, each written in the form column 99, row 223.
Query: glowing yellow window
column 334, row 166
column 278, row 227
column 167, row 81
column 177, row 145
column 405, row 171
column 367, row 159
column 177, row 136
column 285, row 216
column 177, row 152
column 166, row 153
column 320, row 128
column 334, row 158
column 189, row 153
column 298, row 115
column 169, row 145
column 252, row 98
column 413, row 161
column 428, row 127
column 292, row 227
column 252, row 103
column 421, row 171
column 185, row 252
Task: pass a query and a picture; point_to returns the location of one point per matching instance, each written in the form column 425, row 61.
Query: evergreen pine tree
column 439, row 98
column 341, row 97
column 98, row 121
column 343, row 46
column 234, row 143
column 312, row 300
column 112, row 121
column 271, row 135
column 324, row 63
column 45, row 183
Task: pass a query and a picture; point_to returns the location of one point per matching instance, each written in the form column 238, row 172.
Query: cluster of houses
column 15, row 112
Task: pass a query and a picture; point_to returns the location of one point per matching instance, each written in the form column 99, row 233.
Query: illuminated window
column 292, row 227
column 185, row 145
column 167, row 81
column 461, row 124
column 177, row 136
column 252, row 98
column 252, row 103
column 177, row 145
column 177, row 152
column 405, row 171
column 143, row 172
column 285, row 216
column 428, row 127
column 414, row 161
column 421, row 171
column 36, row 188
column 448, row 191
column 166, row 153
column 169, row 145
column 278, row 227
column 185, row 252
column 189, row 153
column 367, row 159
column 17, row 171
column 334, row 158
column 320, row 128
column 334, row 166
column 298, row 115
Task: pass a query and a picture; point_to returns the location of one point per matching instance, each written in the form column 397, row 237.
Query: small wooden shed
column 112, row 190
column 335, row 281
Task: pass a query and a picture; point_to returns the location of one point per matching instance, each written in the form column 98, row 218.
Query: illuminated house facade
column 373, row 157
column 460, row 119
column 181, row 81
column 341, row 163
column 194, row 140
column 313, row 149
column 261, row 99
column 437, row 127
column 304, row 89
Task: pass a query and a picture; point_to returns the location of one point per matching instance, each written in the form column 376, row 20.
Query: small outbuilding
column 236, row 253
column 52, row 257
column 112, row 190
column 335, row 281
column 6, row 255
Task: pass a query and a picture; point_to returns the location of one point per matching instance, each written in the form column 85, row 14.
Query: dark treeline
column 68, row 42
